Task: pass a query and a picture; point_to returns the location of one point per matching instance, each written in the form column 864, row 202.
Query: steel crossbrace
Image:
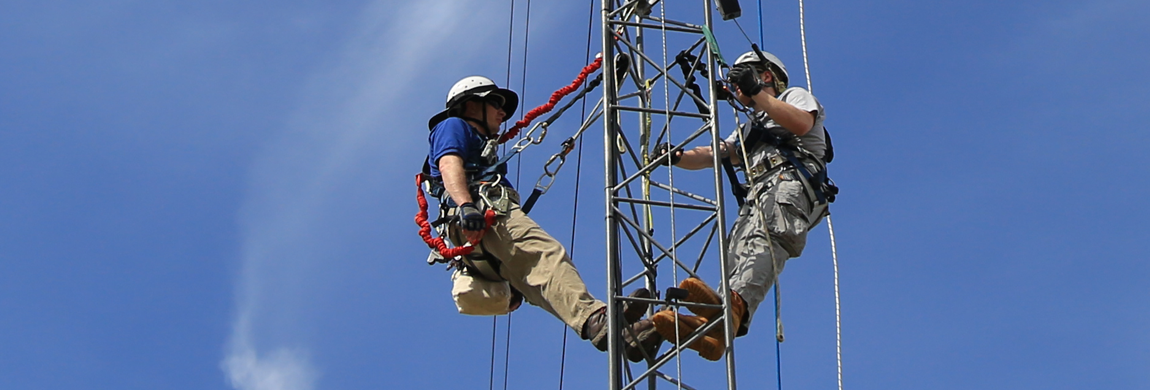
column 684, row 193
column 661, row 69
column 667, row 204
column 638, row 229
column 655, row 262
column 646, row 169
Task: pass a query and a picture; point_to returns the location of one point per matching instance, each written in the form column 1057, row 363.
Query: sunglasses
column 495, row 101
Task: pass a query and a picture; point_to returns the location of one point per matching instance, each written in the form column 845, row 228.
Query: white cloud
column 346, row 116
column 280, row 369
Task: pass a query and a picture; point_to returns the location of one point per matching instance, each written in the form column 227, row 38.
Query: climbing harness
column 787, row 153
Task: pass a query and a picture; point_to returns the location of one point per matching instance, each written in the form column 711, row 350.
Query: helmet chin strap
column 478, row 124
column 482, row 122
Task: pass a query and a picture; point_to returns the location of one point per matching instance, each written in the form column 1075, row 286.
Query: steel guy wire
column 578, row 175
column 495, row 319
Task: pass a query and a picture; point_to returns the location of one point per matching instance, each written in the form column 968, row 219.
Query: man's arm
column 701, row 157
column 454, row 178
column 790, row 117
column 455, row 182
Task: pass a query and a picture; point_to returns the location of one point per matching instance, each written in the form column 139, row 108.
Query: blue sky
column 217, row 195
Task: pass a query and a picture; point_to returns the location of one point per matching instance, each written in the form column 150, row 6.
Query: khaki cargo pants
column 778, row 207
column 537, row 265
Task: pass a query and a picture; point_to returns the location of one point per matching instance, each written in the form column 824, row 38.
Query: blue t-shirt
column 456, row 136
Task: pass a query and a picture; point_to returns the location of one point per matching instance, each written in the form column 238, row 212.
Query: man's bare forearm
column 701, row 157
column 790, row 117
column 454, row 178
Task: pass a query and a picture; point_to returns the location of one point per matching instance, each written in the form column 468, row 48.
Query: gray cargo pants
column 779, row 205
column 537, row 265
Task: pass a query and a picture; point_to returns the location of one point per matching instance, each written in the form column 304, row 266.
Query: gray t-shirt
column 813, row 141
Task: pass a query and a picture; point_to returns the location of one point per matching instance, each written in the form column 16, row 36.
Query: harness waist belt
column 767, row 164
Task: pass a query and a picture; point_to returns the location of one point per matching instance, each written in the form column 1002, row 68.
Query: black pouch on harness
column 826, row 185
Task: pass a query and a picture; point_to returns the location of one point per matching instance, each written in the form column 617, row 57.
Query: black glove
column 470, row 218
column 745, row 78
column 660, row 154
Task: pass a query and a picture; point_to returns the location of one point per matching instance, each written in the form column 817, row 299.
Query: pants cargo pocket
column 789, row 223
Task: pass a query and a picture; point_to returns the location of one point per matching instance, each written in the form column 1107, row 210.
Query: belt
column 768, row 164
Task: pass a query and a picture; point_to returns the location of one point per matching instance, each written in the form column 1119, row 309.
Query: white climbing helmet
column 751, row 57
column 475, row 87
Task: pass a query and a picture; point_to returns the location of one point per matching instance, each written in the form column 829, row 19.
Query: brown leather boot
column 633, row 311
column 641, row 339
column 638, row 337
column 738, row 310
column 698, row 291
column 595, row 328
column 709, row 346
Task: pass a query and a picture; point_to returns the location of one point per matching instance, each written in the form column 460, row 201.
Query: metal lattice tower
column 658, row 234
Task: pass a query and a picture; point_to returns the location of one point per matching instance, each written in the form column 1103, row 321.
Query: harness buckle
column 757, row 171
column 775, row 159
column 501, row 202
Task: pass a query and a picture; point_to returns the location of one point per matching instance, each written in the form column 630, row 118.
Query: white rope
column 670, row 183
column 667, row 123
column 838, row 315
column 803, row 36
column 830, row 226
